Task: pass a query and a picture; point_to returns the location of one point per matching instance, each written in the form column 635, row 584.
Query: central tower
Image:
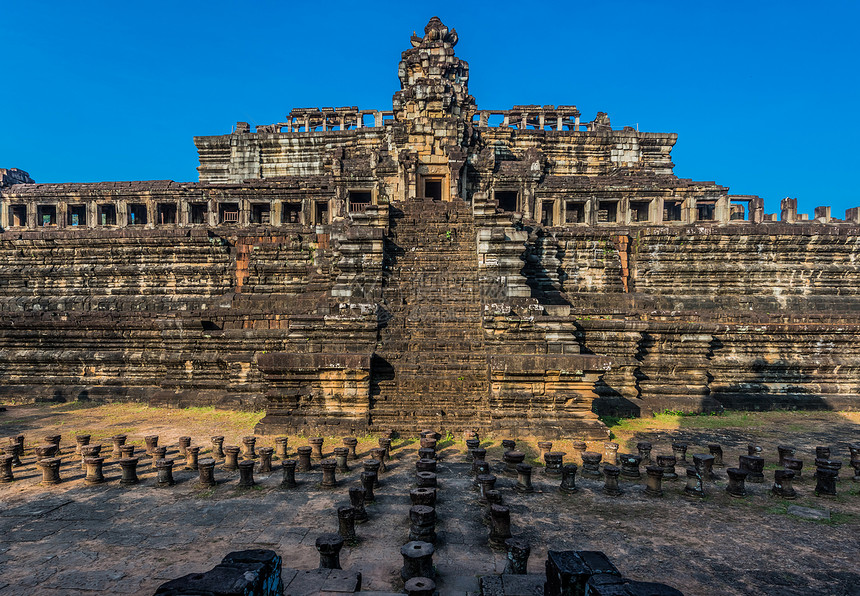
column 433, row 111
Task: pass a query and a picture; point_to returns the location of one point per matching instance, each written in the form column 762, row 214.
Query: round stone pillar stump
column 518, row 556
column 6, row 468
column 165, row 473
column 423, row 496
column 422, row 520
column 118, row 442
column 654, row 481
column 246, row 473
column 610, row 453
column 217, row 447
column 328, row 546
column 341, row 456
column 717, row 451
column 81, row 440
column 679, row 450
column 417, row 560
column 54, row 440
column 184, row 442
column 568, row 479
column 470, row 445
column 329, row 476
column 785, row 451
column 368, row 480
column 420, row 586
column 50, row 470
column 754, row 465
column 206, row 472
column 694, row 486
column 553, row 462
column 426, row 479
column 486, row 482
column 643, row 448
column 500, row 526
column 611, row 474
column 304, row 459
column 351, row 443
column 249, row 445
column 316, row 445
column 544, row 447
column 151, row 442
column 281, row 447
column 192, row 456
column 591, row 465
column 524, row 479
column 265, row 466
column 737, row 482
column 425, row 465
column 356, row 499
column 512, row 458
column 289, row 468
column 128, row 465
column 378, row 454
column 346, row 524
column 231, row 458
column 94, row 470
column 630, row 465
column 782, row 485
column 667, row 462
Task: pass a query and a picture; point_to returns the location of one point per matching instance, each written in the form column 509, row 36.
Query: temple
column 433, row 265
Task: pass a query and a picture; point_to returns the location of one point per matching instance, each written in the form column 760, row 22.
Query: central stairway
column 430, row 368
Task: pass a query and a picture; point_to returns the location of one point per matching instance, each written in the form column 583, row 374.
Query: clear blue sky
column 764, row 95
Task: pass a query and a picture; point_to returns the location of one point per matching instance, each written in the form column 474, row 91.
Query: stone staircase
column 430, row 368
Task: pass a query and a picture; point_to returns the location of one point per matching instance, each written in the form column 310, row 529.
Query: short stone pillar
column 81, row 440
column 544, row 447
column 509, row 445
column 426, row 453
column 426, row 480
column 568, row 479
column 89, row 451
column 512, row 458
column 184, row 442
column 423, row 496
column 610, row 486
column 825, row 482
column 218, row 447
column 610, row 453
column 346, row 524
column 486, row 482
column 591, row 465
column 372, row 465
column 50, row 470
column 479, row 467
column 753, row 449
column 129, row 471
column 151, row 442
column 378, row 454
column 249, row 445
column 351, row 443
column 425, row 465
column 192, row 455
column 157, row 454
column 785, row 451
column 430, row 434
column 341, row 456
column 694, row 486
column 822, row 453
column 422, row 520
column 265, row 465
column 54, row 440
column 368, row 480
column 6, row 468
column 165, row 473
column 470, row 445
column 45, row 451
column 644, row 450
column 11, row 451
column 754, row 465
column 524, row 479
column 281, row 447
column 478, row 455
column 679, row 450
column 737, row 477
column 716, row 450
column 231, row 458
column 855, row 463
column 356, row 500
column 420, row 586
column 782, row 485
column 329, row 475
column 704, row 464
column 206, row 472
column 246, row 473
column 518, row 556
column 654, row 481
column 553, row 462
column 830, row 464
column 494, row 497
column 289, row 468
column 385, row 445
column 304, row 458
column 630, row 465
column 500, row 526
column 94, row 470
column 328, row 546
column 667, row 462
column 118, row 442
column 580, row 447
column 428, row 443
column 316, row 444
column 795, row 465
column 127, row 451
column 417, row 560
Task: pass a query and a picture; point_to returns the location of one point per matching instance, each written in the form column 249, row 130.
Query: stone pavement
column 79, row 539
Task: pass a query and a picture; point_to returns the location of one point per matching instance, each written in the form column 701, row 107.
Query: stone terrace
column 75, row 538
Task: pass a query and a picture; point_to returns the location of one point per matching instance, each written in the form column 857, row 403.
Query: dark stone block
column 243, row 573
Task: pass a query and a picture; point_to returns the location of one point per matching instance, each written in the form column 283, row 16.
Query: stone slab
column 808, row 512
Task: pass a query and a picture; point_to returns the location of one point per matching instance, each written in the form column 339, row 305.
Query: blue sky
column 763, row 95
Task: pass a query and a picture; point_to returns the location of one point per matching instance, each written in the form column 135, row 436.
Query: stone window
column 433, row 188
column 705, row 211
column 76, row 215
column 46, row 215
column 261, row 213
column 166, row 213
column 359, row 200
column 199, row 213
column 137, row 214
column 574, row 212
column 17, row 216
column 639, row 211
column 106, row 215
column 738, row 212
column 671, row 210
column 607, row 212
column 228, row 213
column 547, row 209
column 291, row 213
column 321, row 213
column 507, row 199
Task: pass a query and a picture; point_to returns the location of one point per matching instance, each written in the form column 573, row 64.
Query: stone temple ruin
column 435, row 264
